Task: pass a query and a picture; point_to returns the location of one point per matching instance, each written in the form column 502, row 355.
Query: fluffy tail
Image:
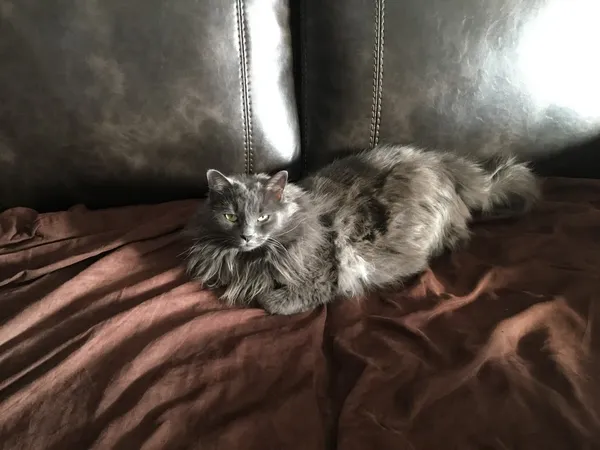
column 513, row 188
column 506, row 187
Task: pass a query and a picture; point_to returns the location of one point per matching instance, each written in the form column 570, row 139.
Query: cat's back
column 380, row 206
column 369, row 198
column 383, row 171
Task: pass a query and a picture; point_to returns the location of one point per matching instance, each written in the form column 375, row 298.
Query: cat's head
column 248, row 210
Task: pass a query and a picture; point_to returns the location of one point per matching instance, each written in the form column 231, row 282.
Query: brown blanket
column 105, row 344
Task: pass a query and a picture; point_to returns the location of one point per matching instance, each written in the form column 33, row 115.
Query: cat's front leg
column 283, row 302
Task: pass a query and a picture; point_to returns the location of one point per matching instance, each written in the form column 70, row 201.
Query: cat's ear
column 216, row 180
column 276, row 185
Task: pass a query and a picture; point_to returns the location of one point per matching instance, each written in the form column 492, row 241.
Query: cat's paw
column 277, row 304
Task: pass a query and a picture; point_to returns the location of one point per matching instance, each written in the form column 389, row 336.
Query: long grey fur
column 364, row 222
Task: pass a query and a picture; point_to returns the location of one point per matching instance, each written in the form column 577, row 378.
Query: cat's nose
column 246, row 237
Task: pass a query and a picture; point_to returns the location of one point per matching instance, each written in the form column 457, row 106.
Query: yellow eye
column 263, row 218
column 231, row 217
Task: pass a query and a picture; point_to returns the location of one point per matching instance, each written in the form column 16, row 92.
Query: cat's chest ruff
column 263, row 268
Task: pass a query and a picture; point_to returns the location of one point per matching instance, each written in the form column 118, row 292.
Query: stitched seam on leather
column 380, row 99
column 304, row 84
column 245, row 87
column 377, row 72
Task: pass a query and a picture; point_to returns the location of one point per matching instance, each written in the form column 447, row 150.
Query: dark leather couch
column 110, row 103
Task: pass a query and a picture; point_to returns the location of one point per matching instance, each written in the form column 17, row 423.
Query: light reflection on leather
column 465, row 75
column 558, row 57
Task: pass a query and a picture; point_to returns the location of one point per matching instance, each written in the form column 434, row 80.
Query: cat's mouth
column 246, row 246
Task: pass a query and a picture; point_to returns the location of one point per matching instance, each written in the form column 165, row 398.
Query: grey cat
column 363, row 222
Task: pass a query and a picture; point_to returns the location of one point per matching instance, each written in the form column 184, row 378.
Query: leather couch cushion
column 108, row 102
column 468, row 75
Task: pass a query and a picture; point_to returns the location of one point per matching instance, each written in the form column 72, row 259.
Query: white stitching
column 378, row 48
column 245, row 87
column 304, row 83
